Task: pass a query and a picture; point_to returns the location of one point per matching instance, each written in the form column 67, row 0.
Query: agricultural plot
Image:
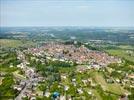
column 15, row 43
column 121, row 53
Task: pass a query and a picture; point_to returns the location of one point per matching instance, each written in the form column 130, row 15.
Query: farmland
column 15, row 43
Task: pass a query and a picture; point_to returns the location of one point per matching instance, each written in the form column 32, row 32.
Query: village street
column 29, row 72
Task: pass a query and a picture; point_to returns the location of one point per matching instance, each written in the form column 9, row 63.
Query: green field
column 15, row 43
column 113, row 88
column 121, row 53
column 126, row 47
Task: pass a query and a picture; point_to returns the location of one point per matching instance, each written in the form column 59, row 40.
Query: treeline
column 7, row 92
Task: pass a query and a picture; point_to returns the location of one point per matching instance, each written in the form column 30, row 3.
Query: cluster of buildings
column 27, row 87
column 80, row 55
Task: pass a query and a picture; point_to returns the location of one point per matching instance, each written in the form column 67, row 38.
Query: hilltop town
column 70, row 53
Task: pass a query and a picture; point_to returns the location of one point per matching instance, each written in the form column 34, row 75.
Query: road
column 29, row 76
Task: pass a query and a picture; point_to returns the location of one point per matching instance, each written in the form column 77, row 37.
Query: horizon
column 72, row 13
column 68, row 26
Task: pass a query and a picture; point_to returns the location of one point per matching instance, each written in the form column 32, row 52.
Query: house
column 117, row 80
column 79, row 90
column 110, row 81
column 33, row 98
column 85, row 82
column 63, row 76
column 73, row 80
column 89, row 92
column 131, row 76
column 62, row 97
column 66, row 87
column 20, row 65
column 17, row 87
column 93, row 84
column 47, row 94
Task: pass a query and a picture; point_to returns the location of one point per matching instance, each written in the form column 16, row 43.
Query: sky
column 107, row 13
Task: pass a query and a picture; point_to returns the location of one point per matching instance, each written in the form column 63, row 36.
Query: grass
column 121, row 53
column 8, row 69
column 97, row 95
column 113, row 88
column 15, row 43
column 16, row 74
column 1, row 78
column 126, row 47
